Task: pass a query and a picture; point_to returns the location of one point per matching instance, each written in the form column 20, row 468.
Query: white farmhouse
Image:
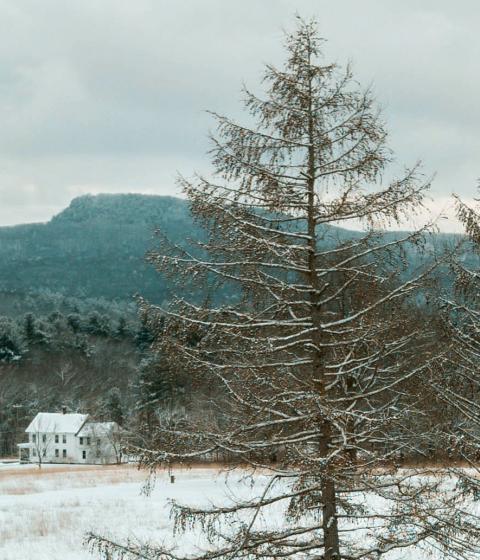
column 70, row 438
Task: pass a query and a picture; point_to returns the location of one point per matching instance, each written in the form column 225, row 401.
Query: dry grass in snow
column 45, row 513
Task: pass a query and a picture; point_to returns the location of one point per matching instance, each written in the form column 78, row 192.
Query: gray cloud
column 109, row 95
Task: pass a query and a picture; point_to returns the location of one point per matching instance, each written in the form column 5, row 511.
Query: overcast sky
column 109, row 95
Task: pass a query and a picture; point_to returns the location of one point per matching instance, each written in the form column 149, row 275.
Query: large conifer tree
column 313, row 366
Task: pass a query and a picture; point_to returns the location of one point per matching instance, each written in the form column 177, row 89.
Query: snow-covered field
column 45, row 514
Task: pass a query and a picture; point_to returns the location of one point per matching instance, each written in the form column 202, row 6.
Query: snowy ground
column 44, row 514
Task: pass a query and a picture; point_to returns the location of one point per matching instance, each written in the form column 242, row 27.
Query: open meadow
column 45, row 513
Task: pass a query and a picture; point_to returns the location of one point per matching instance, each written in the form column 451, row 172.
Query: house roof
column 98, row 429
column 54, row 422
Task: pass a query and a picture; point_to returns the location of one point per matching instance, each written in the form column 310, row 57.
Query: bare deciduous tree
column 42, row 441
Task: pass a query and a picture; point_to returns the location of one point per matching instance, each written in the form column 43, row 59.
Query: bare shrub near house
column 42, row 441
column 311, row 371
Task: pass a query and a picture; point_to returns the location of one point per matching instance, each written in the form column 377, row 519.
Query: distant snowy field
column 45, row 514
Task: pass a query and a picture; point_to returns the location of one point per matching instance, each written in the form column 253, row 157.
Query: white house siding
column 51, row 445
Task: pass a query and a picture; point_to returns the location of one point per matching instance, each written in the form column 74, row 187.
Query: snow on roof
column 98, row 429
column 56, row 422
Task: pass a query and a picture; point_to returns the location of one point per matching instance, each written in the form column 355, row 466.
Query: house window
column 34, row 452
column 84, row 454
column 44, row 438
column 56, row 453
column 88, row 441
column 64, row 453
column 34, row 438
column 64, row 438
column 81, row 441
column 56, row 439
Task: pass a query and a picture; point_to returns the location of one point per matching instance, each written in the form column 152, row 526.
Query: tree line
column 84, row 354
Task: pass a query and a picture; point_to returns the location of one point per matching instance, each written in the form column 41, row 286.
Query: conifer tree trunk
column 328, row 494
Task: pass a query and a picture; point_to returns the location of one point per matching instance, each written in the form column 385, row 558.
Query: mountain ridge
column 95, row 247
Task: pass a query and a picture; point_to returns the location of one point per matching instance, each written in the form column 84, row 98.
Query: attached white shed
column 101, row 442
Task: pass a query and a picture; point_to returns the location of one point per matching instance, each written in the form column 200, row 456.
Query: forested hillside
column 96, row 248
column 69, row 327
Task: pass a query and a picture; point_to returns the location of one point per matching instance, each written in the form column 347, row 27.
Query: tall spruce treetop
column 313, row 375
